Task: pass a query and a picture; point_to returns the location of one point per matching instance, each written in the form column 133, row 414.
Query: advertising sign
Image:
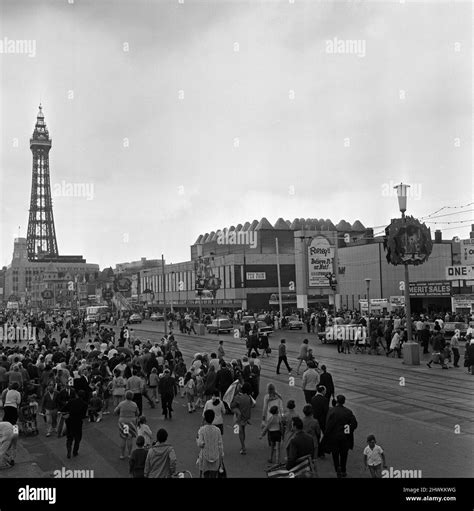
column 122, row 284
column 441, row 288
column 47, row 294
column 256, row 275
column 467, row 252
column 375, row 304
column 463, row 301
column 459, row 272
column 397, row 301
column 320, row 261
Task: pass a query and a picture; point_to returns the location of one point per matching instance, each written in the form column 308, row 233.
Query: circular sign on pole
column 407, row 241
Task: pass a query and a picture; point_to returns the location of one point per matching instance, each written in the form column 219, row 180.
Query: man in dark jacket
column 320, row 406
column 339, row 434
column 325, row 379
column 300, row 444
column 82, row 383
column 76, row 411
column 424, row 338
column 167, row 390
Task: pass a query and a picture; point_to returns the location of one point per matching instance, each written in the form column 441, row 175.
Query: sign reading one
column 441, row 288
column 320, row 261
column 256, row 275
column 459, row 272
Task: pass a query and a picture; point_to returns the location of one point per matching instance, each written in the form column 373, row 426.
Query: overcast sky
column 183, row 118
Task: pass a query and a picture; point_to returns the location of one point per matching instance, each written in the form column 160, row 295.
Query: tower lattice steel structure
column 41, row 237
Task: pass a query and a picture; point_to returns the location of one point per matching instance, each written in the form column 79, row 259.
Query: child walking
column 144, row 430
column 273, row 427
column 153, row 381
column 374, row 458
column 190, row 391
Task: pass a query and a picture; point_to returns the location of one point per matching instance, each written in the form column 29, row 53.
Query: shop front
column 430, row 296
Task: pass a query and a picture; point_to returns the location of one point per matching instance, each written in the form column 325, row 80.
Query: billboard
column 467, row 252
column 459, row 272
column 320, row 261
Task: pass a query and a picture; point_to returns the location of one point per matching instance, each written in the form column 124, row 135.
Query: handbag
column 222, row 472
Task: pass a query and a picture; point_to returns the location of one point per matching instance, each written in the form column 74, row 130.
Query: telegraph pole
column 164, row 293
column 279, row 279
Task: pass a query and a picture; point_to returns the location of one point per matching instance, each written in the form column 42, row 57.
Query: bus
column 97, row 313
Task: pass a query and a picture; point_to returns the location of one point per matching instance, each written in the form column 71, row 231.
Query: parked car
column 294, row 322
column 220, row 325
column 451, row 327
column 247, row 319
column 157, row 316
column 135, row 318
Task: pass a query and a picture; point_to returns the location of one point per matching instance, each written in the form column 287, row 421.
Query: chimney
column 438, row 236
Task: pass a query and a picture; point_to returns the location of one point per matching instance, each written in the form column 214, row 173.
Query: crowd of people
column 65, row 379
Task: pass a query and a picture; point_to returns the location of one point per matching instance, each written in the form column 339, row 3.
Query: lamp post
column 402, row 190
column 172, row 290
column 367, row 283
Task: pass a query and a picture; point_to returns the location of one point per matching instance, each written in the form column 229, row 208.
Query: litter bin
column 411, row 353
column 201, row 329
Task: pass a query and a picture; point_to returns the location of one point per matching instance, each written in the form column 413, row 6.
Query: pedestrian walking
column 11, row 403
column 128, row 412
column 168, row 390
column 161, row 460
column 311, row 427
column 303, row 356
column 339, row 434
column 437, row 354
column 241, row 406
column 374, row 458
column 8, row 443
column 144, row 431
column 190, row 391
column 282, row 357
column 301, row 444
column 74, row 412
column 310, row 382
column 326, row 380
column 211, row 447
column 395, row 344
column 455, row 342
column 272, row 427
column 138, row 459
column 217, row 406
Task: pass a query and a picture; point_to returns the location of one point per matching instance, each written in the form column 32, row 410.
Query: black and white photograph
column 237, row 242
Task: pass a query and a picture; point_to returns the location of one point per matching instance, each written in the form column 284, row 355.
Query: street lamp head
column 402, row 191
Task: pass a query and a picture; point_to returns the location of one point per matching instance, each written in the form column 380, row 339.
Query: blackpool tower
column 41, row 236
